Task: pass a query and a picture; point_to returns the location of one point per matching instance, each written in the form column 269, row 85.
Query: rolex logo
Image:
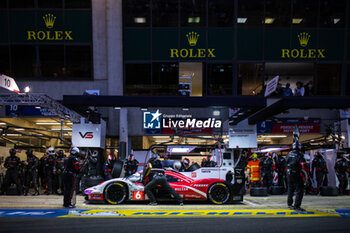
column 192, row 38
column 303, row 39
column 49, row 20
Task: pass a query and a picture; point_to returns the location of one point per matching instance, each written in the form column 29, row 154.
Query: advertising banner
column 243, row 135
column 287, row 125
column 89, row 135
column 8, row 83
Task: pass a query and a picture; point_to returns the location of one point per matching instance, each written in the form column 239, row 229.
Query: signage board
column 27, row 111
column 271, row 85
column 344, row 113
column 8, row 83
column 287, row 125
column 89, row 135
column 243, row 135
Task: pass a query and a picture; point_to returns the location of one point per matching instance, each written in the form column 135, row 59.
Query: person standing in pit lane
column 319, row 168
column 12, row 164
column 253, row 171
column 32, row 173
column 50, row 169
column 294, row 162
column 71, row 169
column 154, row 177
column 342, row 171
column 59, row 171
column 266, row 171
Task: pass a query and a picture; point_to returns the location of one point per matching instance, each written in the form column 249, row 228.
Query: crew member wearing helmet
column 71, row 169
column 83, row 170
column 266, row 171
column 177, row 165
column 32, row 173
column 294, row 162
column 12, row 164
column 154, row 177
column 59, row 169
column 92, row 164
column 209, row 162
column 50, row 169
column 185, row 165
column 253, row 170
column 109, row 166
column 131, row 165
column 319, row 167
column 342, row 171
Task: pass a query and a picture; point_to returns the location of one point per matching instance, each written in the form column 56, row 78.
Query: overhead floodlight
column 216, row 113
column 194, row 19
column 269, row 20
column 336, row 20
column 140, row 20
column 26, row 89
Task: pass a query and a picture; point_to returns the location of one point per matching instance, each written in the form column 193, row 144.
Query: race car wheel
column 218, row 193
column 115, row 193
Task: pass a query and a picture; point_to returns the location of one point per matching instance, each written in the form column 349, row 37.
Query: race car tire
column 193, row 167
column 277, row 190
column 218, row 193
column 329, row 191
column 117, row 169
column 115, row 193
column 258, row 191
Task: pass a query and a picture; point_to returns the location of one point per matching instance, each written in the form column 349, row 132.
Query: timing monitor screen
column 227, row 155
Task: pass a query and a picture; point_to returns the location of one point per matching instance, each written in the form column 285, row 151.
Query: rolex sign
column 89, row 135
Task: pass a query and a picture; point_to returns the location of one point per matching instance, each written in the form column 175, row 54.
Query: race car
column 195, row 185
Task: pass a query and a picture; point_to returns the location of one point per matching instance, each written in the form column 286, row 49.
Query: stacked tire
column 328, row 191
column 258, row 191
column 277, row 190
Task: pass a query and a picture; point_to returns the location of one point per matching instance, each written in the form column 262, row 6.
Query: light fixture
column 140, row 20
column 241, row 20
column 194, row 19
column 48, row 123
column 336, row 20
column 19, row 129
column 144, row 109
column 2, row 123
column 161, row 136
column 273, row 136
column 159, row 141
column 185, row 109
column 58, row 129
column 264, row 140
column 37, row 107
column 272, row 149
column 240, row 113
column 297, row 20
column 216, row 113
column 180, row 149
column 26, row 89
column 269, row 20
column 117, row 108
column 13, row 134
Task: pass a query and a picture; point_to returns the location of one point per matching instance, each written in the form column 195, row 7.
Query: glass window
column 165, row 13
column 138, row 79
column 220, row 13
column 332, row 13
column 50, row 3
column 78, row 61
column 51, row 60
column 219, row 79
column 24, row 61
column 193, row 13
column 136, row 13
column 250, row 13
column 295, row 78
column 305, row 13
column 165, row 79
column 77, row 4
column 5, row 60
column 21, row 3
column 328, row 79
column 250, row 79
column 277, row 13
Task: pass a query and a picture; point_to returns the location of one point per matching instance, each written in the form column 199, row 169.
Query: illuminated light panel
column 264, row 140
column 19, row 129
column 140, row 20
column 336, row 20
column 48, row 123
column 194, row 19
column 58, row 129
column 241, row 20
column 272, row 149
column 161, row 137
column 273, row 136
column 297, row 20
column 269, row 20
column 187, row 149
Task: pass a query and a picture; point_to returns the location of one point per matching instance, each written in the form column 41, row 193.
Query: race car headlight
column 88, row 192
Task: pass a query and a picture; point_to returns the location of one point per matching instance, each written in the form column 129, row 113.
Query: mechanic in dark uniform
column 319, row 166
column 71, row 169
column 153, row 177
column 131, row 165
column 342, row 171
column 185, row 164
column 59, row 170
column 209, row 162
column 12, row 164
column 266, row 171
column 294, row 162
column 83, row 170
column 50, row 169
column 108, row 167
column 280, row 164
column 32, row 173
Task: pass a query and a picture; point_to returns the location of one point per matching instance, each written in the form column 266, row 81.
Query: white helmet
column 74, row 151
column 177, row 165
column 50, row 151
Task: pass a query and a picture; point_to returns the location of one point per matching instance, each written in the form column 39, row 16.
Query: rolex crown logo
column 304, row 39
column 49, row 20
column 192, row 38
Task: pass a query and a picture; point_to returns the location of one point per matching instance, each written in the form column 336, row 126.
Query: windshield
column 136, row 177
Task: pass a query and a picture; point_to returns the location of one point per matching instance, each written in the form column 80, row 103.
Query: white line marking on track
column 250, row 203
